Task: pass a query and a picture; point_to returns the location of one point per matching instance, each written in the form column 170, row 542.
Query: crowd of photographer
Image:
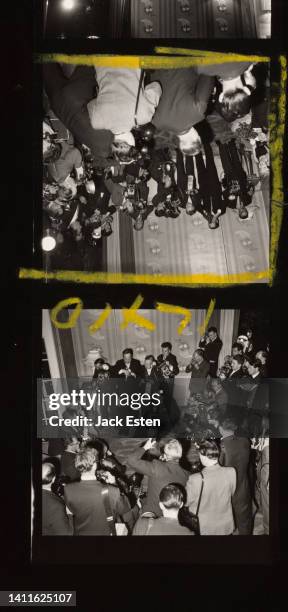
column 209, row 478
column 86, row 491
column 107, row 132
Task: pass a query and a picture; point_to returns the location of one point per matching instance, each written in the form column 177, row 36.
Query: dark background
column 259, row 581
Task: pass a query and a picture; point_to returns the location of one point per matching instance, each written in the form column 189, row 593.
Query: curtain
column 226, row 333
column 110, row 340
column 119, row 18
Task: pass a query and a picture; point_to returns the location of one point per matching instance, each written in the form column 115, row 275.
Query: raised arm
column 139, row 465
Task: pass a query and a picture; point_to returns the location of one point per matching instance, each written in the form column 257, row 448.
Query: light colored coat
column 114, row 107
column 215, row 514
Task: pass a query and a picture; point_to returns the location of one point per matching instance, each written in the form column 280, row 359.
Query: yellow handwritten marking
column 277, row 132
column 106, row 61
column 277, row 118
column 132, row 317
column 73, row 317
column 146, row 62
column 145, row 279
column 177, row 310
column 101, row 320
column 217, row 58
column 202, row 328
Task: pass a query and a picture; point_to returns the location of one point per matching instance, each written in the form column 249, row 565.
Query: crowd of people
column 107, row 132
column 210, row 478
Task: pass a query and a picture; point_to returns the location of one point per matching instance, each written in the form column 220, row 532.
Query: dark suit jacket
column 160, row 474
column 229, row 70
column 236, row 453
column 68, row 99
column 153, row 379
column 98, row 200
column 135, row 367
column 237, row 374
column 211, row 353
column 85, row 501
column 198, row 376
column 55, row 521
column 184, row 100
column 172, row 360
column 68, row 467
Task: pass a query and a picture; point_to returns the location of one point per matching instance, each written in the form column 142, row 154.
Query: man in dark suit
column 167, row 362
column 235, row 84
column 127, row 367
column 150, row 376
column 160, row 472
column 212, row 345
column 237, row 394
column 86, row 499
column 255, row 370
column 171, row 499
column 236, row 453
column 183, row 104
column 55, row 521
column 237, row 367
column 168, row 367
column 199, row 369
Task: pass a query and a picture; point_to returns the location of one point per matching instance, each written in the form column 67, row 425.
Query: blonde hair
column 173, row 449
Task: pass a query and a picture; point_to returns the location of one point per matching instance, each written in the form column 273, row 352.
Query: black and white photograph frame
column 200, row 392
column 156, row 19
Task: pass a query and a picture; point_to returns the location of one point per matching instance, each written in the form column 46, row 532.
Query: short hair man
column 235, row 83
column 237, row 349
column 255, row 369
column 215, row 511
column 127, row 367
column 85, row 499
column 167, row 357
column 237, row 364
column 168, row 367
column 171, row 499
column 212, row 345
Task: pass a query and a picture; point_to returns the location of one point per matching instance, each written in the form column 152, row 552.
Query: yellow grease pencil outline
column 277, row 117
column 197, row 280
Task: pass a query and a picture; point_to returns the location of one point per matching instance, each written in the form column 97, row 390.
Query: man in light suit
column 219, row 484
